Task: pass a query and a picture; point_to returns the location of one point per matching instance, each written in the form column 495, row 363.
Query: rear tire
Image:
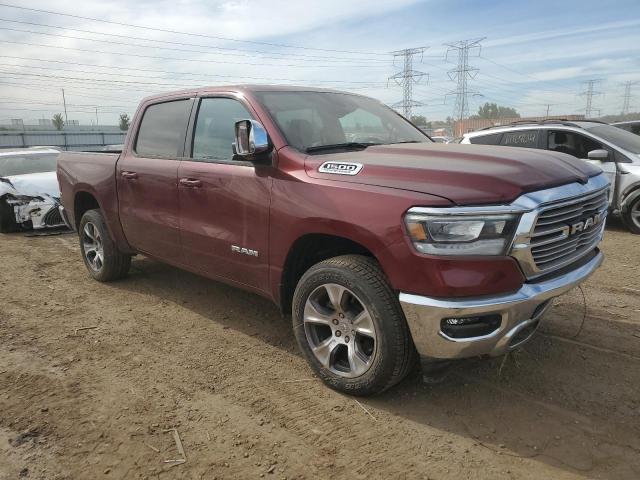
column 350, row 327
column 631, row 215
column 100, row 254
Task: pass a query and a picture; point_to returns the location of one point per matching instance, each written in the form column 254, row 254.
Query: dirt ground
column 167, row 349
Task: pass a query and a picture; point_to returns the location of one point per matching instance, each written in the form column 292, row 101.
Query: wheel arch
column 306, row 251
column 82, row 202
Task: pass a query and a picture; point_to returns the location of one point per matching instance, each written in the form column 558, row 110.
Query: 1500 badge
column 340, row 168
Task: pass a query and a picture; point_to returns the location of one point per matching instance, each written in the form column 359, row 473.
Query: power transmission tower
column 407, row 78
column 589, row 92
column 626, row 98
column 462, row 73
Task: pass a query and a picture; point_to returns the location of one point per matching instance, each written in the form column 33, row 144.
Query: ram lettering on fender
column 340, row 168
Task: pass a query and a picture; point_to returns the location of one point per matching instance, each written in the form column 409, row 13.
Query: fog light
column 469, row 327
column 461, row 321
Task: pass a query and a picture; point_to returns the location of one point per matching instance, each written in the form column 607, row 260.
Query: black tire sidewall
column 626, row 216
column 112, row 257
column 388, row 333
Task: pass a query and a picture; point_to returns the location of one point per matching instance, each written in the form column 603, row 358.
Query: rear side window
column 162, row 129
column 493, row 139
column 522, row 138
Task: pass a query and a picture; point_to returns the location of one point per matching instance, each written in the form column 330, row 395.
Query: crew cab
column 379, row 243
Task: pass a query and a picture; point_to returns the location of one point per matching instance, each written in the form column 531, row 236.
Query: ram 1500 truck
column 381, row 244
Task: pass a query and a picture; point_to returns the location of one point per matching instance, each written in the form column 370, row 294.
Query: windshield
column 311, row 120
column 618, row 137
column 25, row 164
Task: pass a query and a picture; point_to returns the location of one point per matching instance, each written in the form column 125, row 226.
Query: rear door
column 224, row 203
column 147, row 180
column 524, row 138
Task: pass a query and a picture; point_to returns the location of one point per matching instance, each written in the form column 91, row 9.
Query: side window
column 521, row 138
column 162, row 130
column 215, row 128
column 493, row 139
column 572, row 143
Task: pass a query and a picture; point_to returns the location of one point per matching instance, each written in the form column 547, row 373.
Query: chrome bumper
column 518, row 311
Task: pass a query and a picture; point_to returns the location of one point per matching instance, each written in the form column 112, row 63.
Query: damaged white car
column 29, row 192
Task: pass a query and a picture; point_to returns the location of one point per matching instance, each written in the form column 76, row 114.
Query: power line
column 144, row 27
column 130, row 44
column 166, row 72
column 589, row 92
column 223, row 49
column 407, row 78
column 183, row 59
column 462, row 73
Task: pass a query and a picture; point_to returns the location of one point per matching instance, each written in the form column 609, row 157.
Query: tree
column 124, row 122
column 58, row 121
column 494, row 111
column 418, row 119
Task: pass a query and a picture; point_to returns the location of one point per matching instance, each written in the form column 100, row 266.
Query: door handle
column 129, row 175
column 190, row 182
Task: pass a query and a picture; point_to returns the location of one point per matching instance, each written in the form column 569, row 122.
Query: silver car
column 29, row 192
column 615, row 150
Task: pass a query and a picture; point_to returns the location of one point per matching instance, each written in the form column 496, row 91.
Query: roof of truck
column 241, row 88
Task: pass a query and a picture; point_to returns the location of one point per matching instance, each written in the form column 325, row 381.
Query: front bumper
column 520, row 314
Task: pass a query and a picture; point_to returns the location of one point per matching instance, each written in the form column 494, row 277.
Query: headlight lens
column 461, row 234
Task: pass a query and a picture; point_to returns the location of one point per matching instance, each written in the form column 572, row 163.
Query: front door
column 224, row 203
column 579, row 146
column 147, row 181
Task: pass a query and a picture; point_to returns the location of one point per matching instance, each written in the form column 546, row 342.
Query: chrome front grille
column 565, row 231
column 559, row 225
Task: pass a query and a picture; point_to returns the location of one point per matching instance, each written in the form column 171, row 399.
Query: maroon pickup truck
column 382, row 245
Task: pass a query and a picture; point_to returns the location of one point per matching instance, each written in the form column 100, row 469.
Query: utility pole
column 406, row 78
column 548, row 106
column 462, row 73
column 626, row 103
column 589, row 92
column 64, row 101
column 96, row 116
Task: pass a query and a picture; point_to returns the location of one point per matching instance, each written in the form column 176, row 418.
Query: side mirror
column 601, row 155
column 251, row 138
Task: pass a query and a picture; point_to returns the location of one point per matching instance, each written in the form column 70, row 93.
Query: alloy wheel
column 92, row 246
column 340, row 330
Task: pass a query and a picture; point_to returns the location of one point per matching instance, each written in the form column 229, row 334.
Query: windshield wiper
column 337, row 146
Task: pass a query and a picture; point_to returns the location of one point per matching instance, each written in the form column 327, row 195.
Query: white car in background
column 613, row 149
column 29, row 192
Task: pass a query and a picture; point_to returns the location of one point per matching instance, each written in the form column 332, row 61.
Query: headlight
column 461, row 234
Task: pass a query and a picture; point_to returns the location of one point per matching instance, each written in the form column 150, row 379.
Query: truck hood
column 463, row 174
column 34, row 184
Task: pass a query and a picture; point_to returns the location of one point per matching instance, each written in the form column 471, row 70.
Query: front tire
column 631, row 215
column 350, row 327
column 100, row 254
column 7, row 218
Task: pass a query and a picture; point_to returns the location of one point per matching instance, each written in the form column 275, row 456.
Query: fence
column 64, row 140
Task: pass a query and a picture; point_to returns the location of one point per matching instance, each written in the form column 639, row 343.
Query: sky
column 533, row 56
